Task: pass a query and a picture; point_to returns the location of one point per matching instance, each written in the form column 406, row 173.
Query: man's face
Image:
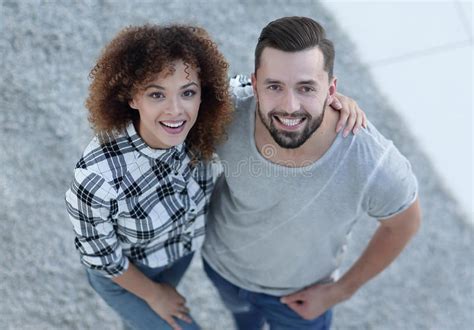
column 292, row 90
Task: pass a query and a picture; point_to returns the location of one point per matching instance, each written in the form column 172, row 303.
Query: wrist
column 153, row 292
column 345, row 289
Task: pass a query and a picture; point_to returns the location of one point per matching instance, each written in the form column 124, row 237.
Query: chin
column 174, row 141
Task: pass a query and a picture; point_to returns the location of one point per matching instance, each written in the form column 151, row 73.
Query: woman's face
column 168, row 106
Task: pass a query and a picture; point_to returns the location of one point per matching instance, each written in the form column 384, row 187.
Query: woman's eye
column 189, row 93
column 157, row 95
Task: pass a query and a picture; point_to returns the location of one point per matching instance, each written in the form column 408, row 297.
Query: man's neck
column 312, row 150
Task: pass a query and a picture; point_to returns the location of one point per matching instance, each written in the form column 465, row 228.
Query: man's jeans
column 251, row 310
column 134, row 311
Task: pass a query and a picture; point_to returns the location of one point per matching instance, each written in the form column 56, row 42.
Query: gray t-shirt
column 275, row 229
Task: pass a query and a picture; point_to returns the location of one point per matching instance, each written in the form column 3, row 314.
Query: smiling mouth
column 290, row 123
column 173, row 127
column 172, row 124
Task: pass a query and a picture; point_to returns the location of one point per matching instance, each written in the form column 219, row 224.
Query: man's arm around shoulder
column 388, row 241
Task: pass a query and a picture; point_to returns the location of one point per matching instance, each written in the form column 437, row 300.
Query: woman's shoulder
column 106, row 155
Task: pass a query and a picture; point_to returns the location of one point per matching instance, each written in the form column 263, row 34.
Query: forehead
column 301, row 65
column 179, row 69
column 175, row 72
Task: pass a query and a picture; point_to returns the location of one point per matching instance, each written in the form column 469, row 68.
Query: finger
column 180, row 300
column 184, row 317
column 358, row 124
column 336, row 103
column 297, row 308
column 344, row 114
column 365, row 121
column 173, row 324
column 183, row 309
column 350, row 124
column 293, row 298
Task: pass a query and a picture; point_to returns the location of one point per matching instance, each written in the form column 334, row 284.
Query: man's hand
column 386, row 244
column 314, row 300
column 351, row 115
column 167, row 302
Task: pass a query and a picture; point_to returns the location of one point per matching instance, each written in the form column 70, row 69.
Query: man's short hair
column 292, row 34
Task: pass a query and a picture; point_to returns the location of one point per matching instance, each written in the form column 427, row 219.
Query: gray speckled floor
column 46, row 52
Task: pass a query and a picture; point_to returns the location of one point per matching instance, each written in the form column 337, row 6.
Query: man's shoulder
column 370, row 142
column 361, row 154
column 379, row 154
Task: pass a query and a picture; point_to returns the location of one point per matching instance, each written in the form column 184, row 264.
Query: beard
column 291, row 139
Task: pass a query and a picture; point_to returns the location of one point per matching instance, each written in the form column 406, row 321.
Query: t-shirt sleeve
column 91, row 204
column 392, row 187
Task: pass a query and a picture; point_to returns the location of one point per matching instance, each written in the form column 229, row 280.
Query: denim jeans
column 134, row 311
column 251, row 309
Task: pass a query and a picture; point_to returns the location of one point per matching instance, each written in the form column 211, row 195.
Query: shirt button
column 176, row 172
column 176, row 157
column 192, row 210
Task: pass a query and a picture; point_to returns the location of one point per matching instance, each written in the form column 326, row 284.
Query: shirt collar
column 169, row 155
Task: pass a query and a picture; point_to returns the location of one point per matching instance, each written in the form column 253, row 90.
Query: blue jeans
column 134, row 311
column 251, row 309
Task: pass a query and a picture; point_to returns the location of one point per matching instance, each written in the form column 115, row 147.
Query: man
column 293, row 188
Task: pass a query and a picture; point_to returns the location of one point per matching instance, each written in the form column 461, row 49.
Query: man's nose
column 292, row 103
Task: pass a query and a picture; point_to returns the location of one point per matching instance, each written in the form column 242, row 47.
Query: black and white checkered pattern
column 129, row 202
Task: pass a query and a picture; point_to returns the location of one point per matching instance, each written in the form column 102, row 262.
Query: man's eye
column 189, row 93
column 157, row 95
column 273, row 87
column 307, row 89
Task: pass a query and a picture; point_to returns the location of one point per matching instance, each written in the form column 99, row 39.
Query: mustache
column 295, row 115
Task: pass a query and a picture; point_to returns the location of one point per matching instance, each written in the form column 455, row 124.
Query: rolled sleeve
column 91, row 204
column 393, row 187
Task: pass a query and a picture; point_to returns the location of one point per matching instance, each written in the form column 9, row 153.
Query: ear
column 253, row 78
column 332, row 90
column 133, row 104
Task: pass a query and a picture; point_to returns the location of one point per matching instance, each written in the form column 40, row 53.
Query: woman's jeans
column 134, row 311
column 251, row 309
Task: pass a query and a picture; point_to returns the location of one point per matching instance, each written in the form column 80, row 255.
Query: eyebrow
column 271, row 81
column 189, row 85
column 303, row 82
column 308, row 82
column 162, row 88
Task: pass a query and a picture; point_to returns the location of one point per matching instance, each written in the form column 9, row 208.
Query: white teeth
column 173, row 124
column 290, row 122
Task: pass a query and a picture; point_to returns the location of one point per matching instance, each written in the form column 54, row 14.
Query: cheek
column 315, row 108
column 193, row 110
column 150, row 112
column 267, row 102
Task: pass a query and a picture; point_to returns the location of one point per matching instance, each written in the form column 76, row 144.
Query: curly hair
column 137, row 55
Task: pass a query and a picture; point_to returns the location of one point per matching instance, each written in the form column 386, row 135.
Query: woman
column 159, row 102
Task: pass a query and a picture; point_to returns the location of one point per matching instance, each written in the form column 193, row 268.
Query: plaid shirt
column 129, row 202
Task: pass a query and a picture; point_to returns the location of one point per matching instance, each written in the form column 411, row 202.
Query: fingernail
column 346, row 133
column 338, row 128
column 356, row 130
